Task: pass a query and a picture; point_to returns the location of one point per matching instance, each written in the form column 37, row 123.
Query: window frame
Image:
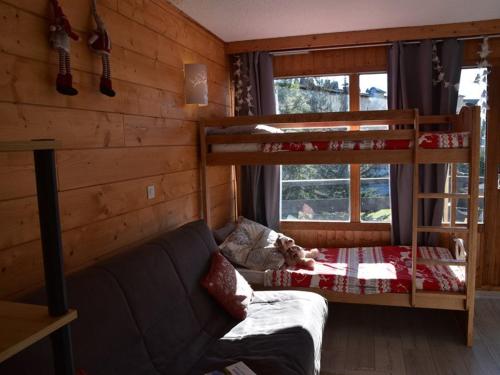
column 355, row 222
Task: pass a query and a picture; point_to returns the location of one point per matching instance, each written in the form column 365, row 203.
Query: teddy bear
column 296, row 255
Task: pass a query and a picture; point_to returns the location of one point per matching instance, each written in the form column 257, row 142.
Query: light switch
column 151, row 192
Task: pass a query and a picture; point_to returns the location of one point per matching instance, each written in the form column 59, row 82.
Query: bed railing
column 409, row 118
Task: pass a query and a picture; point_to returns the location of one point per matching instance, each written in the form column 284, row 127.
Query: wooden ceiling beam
column 364, row 37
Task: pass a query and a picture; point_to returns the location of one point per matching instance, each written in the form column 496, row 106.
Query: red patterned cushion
column 228, row 287
column 80, row 372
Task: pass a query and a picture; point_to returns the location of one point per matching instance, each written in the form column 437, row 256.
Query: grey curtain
column 412, row 84
column 254, row 95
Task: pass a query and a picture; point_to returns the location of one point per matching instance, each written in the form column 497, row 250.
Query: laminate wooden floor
column 368, row 340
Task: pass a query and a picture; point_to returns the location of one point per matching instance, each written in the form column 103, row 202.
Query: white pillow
column 244, row 129
column 252, row 245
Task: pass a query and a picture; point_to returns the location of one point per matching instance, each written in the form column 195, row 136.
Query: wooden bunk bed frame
column 468, row 120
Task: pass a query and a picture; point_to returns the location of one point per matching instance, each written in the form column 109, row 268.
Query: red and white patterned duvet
column 426, row 140
column 371, row 270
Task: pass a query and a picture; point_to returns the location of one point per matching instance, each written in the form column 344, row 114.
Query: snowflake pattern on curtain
column 243, row 98
column 439, row 71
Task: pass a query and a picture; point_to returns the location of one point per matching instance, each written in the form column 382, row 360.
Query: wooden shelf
column 35, row 144
column 21, row 325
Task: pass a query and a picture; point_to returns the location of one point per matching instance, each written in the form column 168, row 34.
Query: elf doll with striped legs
column 100, row 43
column 60, row 35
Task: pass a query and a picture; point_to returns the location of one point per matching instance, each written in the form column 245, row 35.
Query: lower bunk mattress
column 367, row 270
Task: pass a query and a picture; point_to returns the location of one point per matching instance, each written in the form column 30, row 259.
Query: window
column 472, row 91
column 314, row 192
column 357, row 193
column 360, row 193
column 312, row 94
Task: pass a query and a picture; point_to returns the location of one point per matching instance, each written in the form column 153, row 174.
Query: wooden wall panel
column 339, row 238
column 325, row 234
column 359, row 60
column 367, row 37
column 113, row 148
column 339, row 61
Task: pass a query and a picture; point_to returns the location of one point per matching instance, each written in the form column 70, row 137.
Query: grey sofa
column 144, row 312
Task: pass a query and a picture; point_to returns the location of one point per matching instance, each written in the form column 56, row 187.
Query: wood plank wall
column 357, row 60
column 113, row 147
column 374, row 59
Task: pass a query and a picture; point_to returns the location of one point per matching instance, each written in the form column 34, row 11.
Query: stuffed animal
column 60, row 35
column 294, row 254
column 100, row 44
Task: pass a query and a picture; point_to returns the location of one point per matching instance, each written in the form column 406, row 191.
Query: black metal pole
column 50, row 228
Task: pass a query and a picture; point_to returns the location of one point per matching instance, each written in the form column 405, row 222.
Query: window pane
column 472, row 91
column 314, row 192
column 375, row 195
column 312, row 94
column 372, row 92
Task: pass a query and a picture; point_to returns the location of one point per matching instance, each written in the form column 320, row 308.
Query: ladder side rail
column 415, row 191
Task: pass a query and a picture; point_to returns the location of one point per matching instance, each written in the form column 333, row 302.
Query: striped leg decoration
column 64, row 82
column 106, row 87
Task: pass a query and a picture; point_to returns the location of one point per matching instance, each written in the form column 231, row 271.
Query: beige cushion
column 252, row 245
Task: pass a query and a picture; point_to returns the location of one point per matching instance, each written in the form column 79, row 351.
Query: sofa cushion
column 282, row 334
column 161, row 282
column 252, row 245
column 228, row 287
column 105, row 336
column 189, row 248
column 221, row 234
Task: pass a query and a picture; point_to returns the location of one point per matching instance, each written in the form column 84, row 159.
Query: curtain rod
column 308, row 50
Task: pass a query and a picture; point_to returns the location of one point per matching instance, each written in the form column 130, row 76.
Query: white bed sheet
column 252, row 276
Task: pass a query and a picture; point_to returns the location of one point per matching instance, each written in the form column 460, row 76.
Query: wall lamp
column 196, row 84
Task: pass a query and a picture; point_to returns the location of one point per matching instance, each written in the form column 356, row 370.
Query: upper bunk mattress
column 372, row 270
column 426, row 140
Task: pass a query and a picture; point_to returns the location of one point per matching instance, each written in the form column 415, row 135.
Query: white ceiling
column 234, row 20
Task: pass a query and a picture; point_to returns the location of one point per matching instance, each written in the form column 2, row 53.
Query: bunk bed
column 405, row 142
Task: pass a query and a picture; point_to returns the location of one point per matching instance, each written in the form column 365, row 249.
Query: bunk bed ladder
column 469, row 116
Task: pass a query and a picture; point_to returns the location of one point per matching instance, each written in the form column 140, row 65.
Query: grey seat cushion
column 281, row 335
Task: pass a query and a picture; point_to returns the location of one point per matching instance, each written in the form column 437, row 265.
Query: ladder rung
column 442, row 195
column 441, row 262
column 431, row 229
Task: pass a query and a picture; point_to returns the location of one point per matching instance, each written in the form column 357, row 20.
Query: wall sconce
column 196, row 84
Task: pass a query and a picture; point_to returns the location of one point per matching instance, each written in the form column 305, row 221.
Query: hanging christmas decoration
column 60, row 35
column 100, row 43
column 243, row 93
column 439, row 71
column 484, row 52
